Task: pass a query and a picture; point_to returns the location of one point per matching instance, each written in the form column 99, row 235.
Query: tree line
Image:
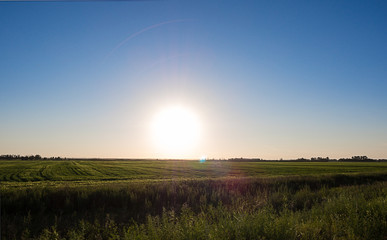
column 241, row 159
column 27, row 157
column 313, row 159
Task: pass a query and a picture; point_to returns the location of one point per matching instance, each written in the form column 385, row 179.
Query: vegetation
column 13, row 171
column 192, row 200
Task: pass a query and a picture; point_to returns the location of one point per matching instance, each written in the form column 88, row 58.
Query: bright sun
column 175, row 131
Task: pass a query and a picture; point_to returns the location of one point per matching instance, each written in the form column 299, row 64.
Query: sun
column 175, row 131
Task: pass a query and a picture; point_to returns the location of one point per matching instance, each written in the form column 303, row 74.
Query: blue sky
column 269, row 79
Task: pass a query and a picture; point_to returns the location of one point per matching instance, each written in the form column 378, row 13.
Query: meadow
column 149, row 199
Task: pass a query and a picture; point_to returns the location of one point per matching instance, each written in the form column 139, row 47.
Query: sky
column 265, row 79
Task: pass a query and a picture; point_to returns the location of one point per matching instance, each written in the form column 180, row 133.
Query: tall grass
column 324, row 207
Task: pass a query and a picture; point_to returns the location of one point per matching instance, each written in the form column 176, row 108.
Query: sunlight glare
column 175, row 131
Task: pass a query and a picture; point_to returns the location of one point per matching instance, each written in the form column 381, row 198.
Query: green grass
column 192, row 200
column 35, row 171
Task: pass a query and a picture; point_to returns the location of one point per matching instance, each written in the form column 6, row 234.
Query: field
column 24, row 172
column 149, row 199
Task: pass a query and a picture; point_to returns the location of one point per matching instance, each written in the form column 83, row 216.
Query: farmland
column 149, row 199
column 69, row 171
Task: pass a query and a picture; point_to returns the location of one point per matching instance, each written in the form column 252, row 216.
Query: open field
column 36, row 171
column 193, row 200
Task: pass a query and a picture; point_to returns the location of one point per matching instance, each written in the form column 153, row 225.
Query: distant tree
column 360, row 158
column 319, row 159
column 357, row 159
column 27, row 157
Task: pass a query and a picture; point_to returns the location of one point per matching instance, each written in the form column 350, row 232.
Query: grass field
column 193, row 200
column 32, row 171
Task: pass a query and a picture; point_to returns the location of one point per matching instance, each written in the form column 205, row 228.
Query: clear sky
column 268, row 79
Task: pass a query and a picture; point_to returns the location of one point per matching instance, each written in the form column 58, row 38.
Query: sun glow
column 175, row 131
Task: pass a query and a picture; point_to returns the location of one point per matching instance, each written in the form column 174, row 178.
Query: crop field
column 38, row 171
column 149, row 199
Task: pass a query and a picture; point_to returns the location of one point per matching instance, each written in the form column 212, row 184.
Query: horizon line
column 39, row 157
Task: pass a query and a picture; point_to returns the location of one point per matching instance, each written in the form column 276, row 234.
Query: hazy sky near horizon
column 268, row 79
